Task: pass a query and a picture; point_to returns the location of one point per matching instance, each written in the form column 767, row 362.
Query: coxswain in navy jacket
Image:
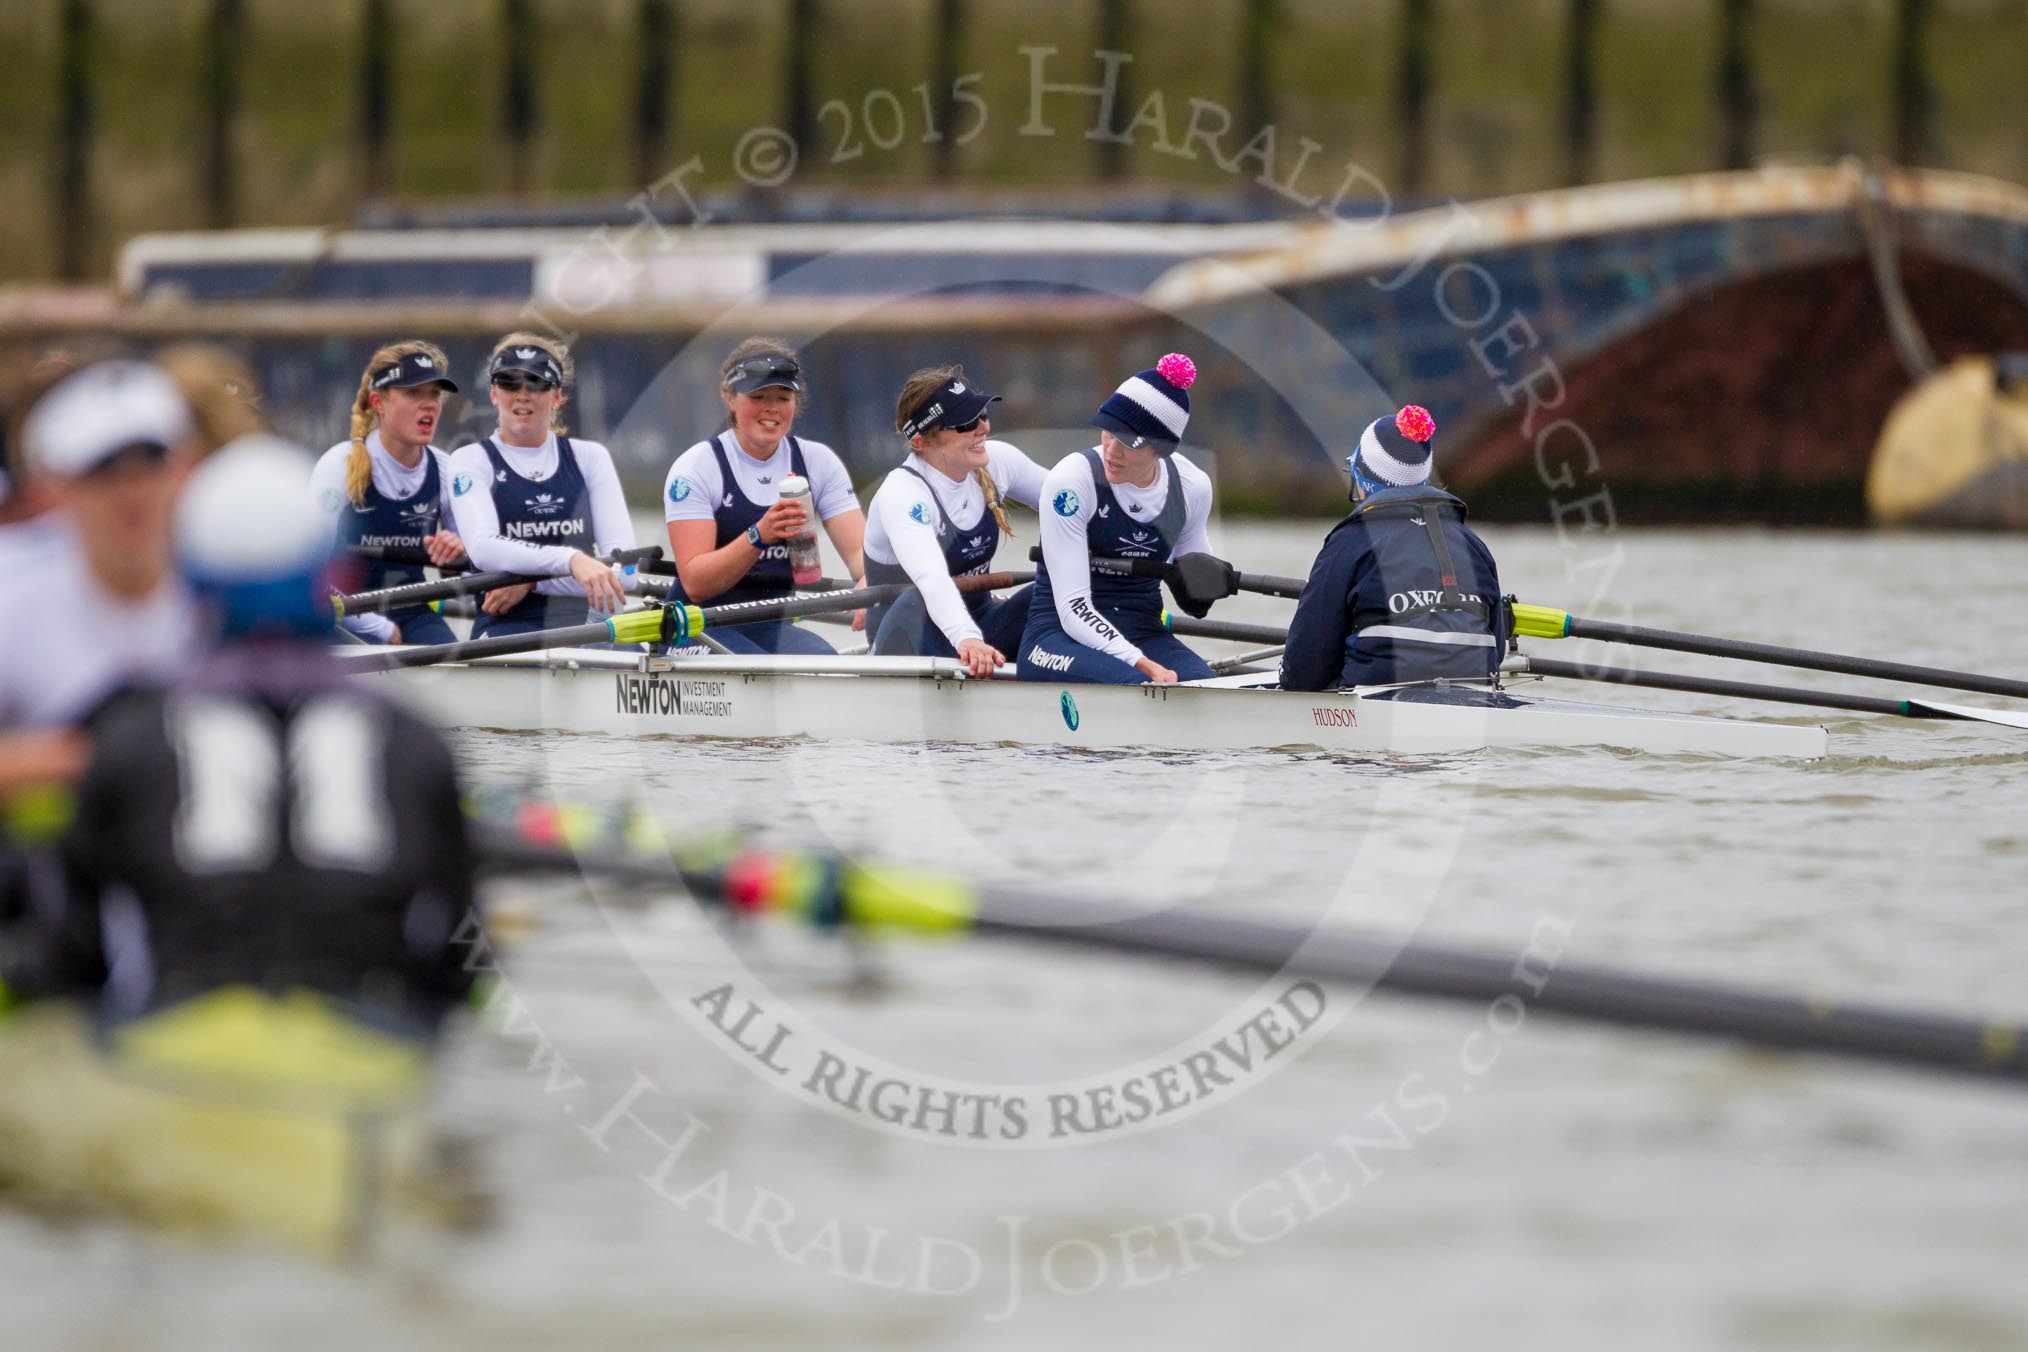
column 1402, row 590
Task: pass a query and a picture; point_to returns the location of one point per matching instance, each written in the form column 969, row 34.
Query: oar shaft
column 1707, row 685
column 1270, row 585
column 1226, row 629
column 467, row 584
column 825, row 602
column 573, row 636
column 1933, row 1041
column 655, row 624
column 407, row 556
column 422, row 593
column 1801, row 658
column 855, row 894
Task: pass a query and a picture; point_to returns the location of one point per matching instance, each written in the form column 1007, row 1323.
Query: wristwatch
column 753, row 536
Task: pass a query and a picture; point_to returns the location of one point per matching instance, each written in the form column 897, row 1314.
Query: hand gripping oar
column 1544, row 622
column 464, row 584
column 656, row 624
column 846, row 893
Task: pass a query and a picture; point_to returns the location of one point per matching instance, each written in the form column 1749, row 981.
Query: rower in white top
column 730, row 526
column 90, row 599
column 938, row 516
column 532, row 500
column 1129, row 498
column 387, row 487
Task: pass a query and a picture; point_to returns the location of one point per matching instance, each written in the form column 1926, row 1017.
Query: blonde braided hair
column 358, row 464
column 913, row 391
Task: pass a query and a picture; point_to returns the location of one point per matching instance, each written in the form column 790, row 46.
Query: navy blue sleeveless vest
column 771, row 576
column 397, row 522
column 555, row 511
column 1114, row 534
column 964, row 551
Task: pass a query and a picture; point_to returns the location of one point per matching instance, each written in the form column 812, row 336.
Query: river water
column 924, row 1144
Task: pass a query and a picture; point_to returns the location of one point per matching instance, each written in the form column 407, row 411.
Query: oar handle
column 644, row 555
column 824, row 602
column 422, row 593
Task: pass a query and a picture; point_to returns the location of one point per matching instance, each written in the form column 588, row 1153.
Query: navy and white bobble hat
column 1153, row 406
column 1395, row 452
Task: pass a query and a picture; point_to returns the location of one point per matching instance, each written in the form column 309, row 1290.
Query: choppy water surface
column 1406, row 1174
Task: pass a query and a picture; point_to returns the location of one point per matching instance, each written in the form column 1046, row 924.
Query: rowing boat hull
column 916, row 701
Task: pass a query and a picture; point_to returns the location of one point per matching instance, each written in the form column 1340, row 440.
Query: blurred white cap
column 91, row 416
column 247, row 514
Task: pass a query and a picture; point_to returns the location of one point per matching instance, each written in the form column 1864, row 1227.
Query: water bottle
column 804, row 565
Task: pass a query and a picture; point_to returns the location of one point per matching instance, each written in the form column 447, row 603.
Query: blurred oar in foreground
column 840, row 892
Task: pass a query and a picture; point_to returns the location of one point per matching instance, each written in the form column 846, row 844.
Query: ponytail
column 984, row 474
column 358, row 464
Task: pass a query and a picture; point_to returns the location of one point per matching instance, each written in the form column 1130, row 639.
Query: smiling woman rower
column 531, row 500
column 1129, row 497
column 722, row 498
column 938, row 517
column 388, row 486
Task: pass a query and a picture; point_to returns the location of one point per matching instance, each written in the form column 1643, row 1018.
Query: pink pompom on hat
column 1152, row 407
column 1396, row 452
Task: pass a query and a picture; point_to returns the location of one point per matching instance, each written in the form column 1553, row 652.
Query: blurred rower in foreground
column 938, row 517
column 1131, row 498
column 265, row 776
column 229, row 1022
column 1403, row 590
column 94, row 601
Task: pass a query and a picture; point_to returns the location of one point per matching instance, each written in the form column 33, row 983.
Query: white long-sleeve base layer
column 1066, row 545
column 391, row 479
column 894, row 536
